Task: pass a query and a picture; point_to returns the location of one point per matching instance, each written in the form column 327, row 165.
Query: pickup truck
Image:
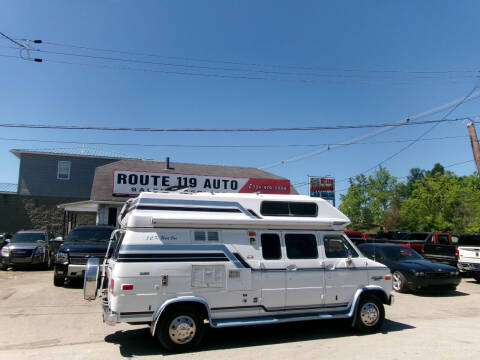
column 442, row 248
column 469, row 255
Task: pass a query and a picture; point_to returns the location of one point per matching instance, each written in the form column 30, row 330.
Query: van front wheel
column 370, row 315
column 180, row 329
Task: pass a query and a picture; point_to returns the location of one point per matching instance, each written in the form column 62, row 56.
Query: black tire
column 189, row 319
column 399, row 282
column 476, row 276
column 370, row 315
column 58, row 280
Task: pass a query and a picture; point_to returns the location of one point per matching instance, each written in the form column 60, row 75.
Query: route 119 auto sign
column 131, row 183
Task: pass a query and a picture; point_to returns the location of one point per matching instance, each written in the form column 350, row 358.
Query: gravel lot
column 39, row 321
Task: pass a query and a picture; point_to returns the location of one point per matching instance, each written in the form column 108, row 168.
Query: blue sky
column 364, row 35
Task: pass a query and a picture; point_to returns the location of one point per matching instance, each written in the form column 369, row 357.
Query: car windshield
column 400, row 253
column 89, row 235
column 28, row 238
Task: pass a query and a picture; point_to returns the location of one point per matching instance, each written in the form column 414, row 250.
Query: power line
column 203, row 67
column 424, row 133
column 298, row 67
column 271, row 129
column 220, row 146
column 12, row 40
column 372, row 134
column 245, row 77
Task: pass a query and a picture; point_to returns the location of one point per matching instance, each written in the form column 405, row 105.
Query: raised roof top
column 231, row 210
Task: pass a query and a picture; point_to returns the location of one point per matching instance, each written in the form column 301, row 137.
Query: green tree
column 355, row 203
column 432, row 203
column 368, row 199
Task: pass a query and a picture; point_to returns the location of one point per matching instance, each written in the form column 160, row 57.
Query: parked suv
column 82, row 243
column 30, row 247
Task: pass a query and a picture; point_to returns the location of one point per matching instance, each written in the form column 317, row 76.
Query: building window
column 63, row 172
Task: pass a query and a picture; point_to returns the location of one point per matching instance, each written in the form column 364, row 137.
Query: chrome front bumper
column 109, row 317
column 75, row 270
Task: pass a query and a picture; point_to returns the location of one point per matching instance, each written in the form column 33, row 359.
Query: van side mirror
column 349, row 259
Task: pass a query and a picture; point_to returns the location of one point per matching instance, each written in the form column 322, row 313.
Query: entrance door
column 273, row 272
column 345, row 271
column 305, row 273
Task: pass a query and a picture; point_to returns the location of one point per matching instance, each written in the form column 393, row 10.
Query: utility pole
column 475, row 147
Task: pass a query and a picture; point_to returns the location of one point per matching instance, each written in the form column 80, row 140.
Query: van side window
column 271, row 247
column 301, row 246
column 338, row 247
column 284, row 208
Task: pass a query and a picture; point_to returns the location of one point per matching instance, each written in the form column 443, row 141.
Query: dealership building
column 60, row 189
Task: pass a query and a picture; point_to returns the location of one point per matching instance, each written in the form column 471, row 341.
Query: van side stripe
column 199, row 248
column 197, row 203
column 169, row 257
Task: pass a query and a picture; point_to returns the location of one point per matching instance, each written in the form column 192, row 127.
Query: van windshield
column 89, row 235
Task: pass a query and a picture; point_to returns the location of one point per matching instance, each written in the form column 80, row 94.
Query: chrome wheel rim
column 182, row 329
column 397, row 281
column 369, row 314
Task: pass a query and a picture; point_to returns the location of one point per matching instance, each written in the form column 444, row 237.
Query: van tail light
column 457, row 253
column 112, row 285
column 127, row 287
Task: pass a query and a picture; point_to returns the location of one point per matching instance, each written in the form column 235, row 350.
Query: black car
column 410, row 271
column 82, row 243
column 30, row 247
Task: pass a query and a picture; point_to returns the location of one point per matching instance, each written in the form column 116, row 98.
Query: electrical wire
column 271, row 129
column 435, row 110
column 423, row 134
column 202, row 67
column 316, row 68
column 12, row 40
column 219, row 146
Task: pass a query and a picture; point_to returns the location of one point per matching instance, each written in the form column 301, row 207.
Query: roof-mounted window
column 288, row 208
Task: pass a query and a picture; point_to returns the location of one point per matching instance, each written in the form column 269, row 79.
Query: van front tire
column 370, row 315
column 180, row 329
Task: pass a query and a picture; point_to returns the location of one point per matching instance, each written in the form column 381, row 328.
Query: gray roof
column 76, row 152
column 103, row 180
column 8, row 188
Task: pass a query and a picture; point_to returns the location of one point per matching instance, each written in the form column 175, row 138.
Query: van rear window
column 284, row 208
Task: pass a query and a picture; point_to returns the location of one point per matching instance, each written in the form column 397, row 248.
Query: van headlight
column 61, row 257
column 5, row 251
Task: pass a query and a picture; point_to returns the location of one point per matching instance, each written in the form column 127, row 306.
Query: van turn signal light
column 388, row 277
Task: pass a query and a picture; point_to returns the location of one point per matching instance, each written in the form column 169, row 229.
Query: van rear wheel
column 180, row 329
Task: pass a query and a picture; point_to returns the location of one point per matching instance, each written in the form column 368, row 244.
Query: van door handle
column 292, row 267
column 330, row 267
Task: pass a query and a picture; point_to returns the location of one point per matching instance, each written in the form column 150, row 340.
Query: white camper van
column 185, row 260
